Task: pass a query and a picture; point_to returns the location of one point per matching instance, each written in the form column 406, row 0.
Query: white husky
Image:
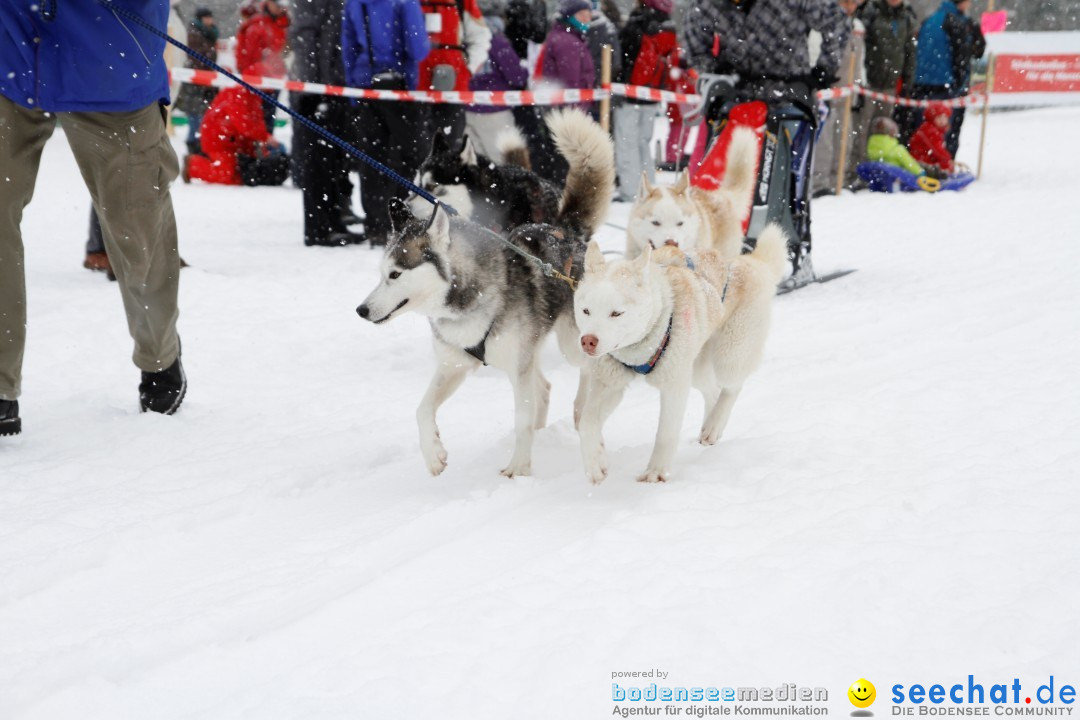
column 679, row 321
column 696, row 219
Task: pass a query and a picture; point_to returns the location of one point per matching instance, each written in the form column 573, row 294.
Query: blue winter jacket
column 933, row 63
column 85, row 59
column 399, row 40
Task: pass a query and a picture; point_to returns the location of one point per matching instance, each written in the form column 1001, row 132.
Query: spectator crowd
column 521, row 44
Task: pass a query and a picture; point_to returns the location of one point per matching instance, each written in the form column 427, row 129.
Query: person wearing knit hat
column 565, row 62
column 565, row 59
column 569, row 8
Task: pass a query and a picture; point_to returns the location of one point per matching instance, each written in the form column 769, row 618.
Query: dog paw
column 652, row 476
column 596, row 470
column 515, row 469
column 435, row 458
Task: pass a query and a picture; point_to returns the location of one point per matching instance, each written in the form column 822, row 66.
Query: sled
column 882, row 177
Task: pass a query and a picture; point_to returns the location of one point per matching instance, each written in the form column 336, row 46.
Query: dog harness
column 647, row 367
column 478, row 351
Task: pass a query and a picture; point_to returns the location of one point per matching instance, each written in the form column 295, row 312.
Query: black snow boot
column 10, row 424
column 163, row 391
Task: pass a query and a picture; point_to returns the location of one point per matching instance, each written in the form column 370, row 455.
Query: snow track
column 895, row 497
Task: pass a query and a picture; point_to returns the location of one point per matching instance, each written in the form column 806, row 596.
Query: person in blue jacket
column 948, row 42
column 104, row 78
column 382, row 44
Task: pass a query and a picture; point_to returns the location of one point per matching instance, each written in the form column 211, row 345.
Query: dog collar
column 647, row 367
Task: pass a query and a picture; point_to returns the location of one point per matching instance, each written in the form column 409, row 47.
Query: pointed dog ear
column 438, row 228
column 646, row 186
column 682, row 182
column 468, row 152
column 400, row 214
column 594, row 259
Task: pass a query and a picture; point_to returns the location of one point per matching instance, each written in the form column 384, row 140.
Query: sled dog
column 696, row 219
column 498, row 195
column 680, row 320
column 487, row 304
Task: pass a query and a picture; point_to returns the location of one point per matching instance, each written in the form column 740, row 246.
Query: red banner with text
column 1037, row 73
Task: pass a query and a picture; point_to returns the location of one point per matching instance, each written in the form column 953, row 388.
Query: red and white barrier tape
column 973, row 99
column 511, row 98
column 508, row 98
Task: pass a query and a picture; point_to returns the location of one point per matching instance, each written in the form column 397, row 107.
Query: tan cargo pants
column 127, row 163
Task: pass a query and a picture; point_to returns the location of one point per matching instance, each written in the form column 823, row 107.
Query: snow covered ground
column 896, row 496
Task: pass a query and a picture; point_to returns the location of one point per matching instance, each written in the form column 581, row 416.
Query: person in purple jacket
column 504, row 70
column 566, row 60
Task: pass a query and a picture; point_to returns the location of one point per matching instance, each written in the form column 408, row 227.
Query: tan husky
column 696, row 219
column 680, row 320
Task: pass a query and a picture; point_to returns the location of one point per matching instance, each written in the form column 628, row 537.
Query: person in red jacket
column 260, row 48
column 232, row 126
column 928, row 143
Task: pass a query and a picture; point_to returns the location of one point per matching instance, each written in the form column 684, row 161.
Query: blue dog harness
column 647, row 367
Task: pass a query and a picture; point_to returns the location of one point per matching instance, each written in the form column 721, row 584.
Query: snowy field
column 896, row 496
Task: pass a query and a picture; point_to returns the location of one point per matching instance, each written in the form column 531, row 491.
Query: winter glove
column 821, row 78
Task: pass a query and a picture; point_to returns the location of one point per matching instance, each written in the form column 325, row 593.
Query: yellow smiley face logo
column 862, row 693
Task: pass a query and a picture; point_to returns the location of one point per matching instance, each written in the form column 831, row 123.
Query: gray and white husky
column 486, row 303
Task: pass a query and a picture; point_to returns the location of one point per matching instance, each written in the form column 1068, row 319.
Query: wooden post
column 845, row 127
column 605, row 83
column 985, row 112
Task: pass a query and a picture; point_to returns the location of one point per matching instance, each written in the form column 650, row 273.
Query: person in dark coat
column 320, row 168
column 194, row 100
column 527, row 25
column 948, row 42
column 891, row 28
column 382, row 44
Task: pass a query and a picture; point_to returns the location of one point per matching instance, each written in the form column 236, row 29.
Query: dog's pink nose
column 589, row 343
column 671, row 242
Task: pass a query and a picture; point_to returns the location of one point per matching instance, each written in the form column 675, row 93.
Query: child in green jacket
column 884, row 146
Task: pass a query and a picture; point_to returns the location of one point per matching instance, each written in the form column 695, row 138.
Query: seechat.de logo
column 862, row 694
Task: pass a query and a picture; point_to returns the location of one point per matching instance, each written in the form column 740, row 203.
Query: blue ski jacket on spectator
column 78, row 56
column 399, row 40
column 934, row 61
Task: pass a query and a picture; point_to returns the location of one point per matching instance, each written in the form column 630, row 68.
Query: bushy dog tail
column 772, row 251
column 741, row 169
column 591, row 180
column 512, row 148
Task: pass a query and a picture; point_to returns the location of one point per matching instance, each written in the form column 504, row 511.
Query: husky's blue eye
column 394, row 275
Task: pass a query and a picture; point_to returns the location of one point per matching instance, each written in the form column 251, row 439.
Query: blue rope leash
column 318, row 129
